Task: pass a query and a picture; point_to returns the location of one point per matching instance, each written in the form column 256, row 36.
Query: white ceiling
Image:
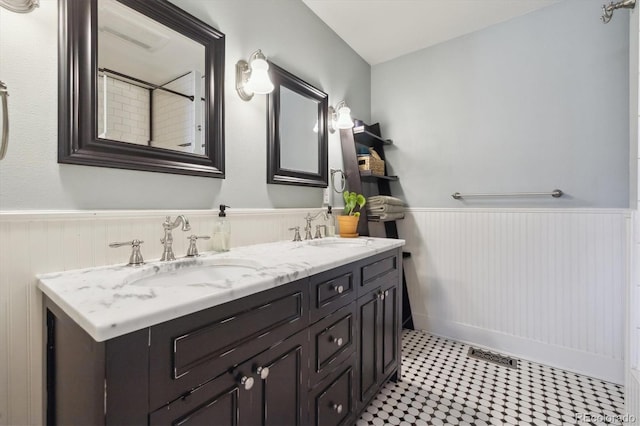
column 381, row 30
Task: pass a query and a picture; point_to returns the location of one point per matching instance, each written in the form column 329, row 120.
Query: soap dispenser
column 221, row 231
column 331, row 227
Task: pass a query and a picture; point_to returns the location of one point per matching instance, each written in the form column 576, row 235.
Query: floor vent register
column 493, row 357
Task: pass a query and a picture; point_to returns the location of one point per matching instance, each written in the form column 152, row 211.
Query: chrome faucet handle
column 296, row 236
column 318, row 233
column 136, row 255
column 192, row 251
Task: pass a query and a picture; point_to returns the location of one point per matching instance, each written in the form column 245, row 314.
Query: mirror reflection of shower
column 607, row 10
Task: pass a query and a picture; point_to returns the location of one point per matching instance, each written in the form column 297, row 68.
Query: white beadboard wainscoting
column 547, row 285
column 38, row 242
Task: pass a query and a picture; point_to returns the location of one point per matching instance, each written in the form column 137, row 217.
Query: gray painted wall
column 287, row 32
column 532, row 104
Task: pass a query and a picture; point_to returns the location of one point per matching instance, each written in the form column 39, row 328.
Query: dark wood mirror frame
column 78, row 142
column 275, row 173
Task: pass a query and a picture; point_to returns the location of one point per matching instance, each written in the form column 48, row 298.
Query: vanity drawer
column 331, row 290
column 332, row 400
column 332, row 341
column 383, row 269
column 191, row 350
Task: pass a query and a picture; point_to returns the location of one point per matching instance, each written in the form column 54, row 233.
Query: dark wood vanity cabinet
column 379, row 337
column 311, row 352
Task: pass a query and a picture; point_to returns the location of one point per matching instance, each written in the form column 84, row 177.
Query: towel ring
column 342, row 180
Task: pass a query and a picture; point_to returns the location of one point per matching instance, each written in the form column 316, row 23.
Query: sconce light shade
column 344, row 118
column 340, row 117
column 253, row 77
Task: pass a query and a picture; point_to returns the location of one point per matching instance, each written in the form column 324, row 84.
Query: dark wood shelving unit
column 367, row 175
column 369, row 136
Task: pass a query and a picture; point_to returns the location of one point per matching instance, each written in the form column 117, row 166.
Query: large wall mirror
column 140, row 87
column 297, row 136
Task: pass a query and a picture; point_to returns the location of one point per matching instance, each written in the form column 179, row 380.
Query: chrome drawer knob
column 263, row 372
column 247, row 382
column 337, row 340
column 338, row 289
column 337, row 408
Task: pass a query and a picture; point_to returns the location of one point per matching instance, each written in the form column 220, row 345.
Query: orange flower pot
column 348, row 226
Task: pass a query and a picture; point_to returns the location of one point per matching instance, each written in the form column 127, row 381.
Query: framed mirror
column 297, row 137
column 140, row 87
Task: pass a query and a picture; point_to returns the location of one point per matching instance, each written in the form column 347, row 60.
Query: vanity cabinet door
column 280, row 391
column 379, row 313
column 369, row 345
column 223, row 401
column 266, row 390
column 390, row 312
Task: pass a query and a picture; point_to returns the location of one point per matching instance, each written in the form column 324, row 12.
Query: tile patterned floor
column 442, row 386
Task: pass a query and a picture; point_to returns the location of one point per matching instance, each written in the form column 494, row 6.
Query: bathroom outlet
column 326, row 196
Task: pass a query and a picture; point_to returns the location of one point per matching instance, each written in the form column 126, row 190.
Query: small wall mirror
column 297, row 137
column 141, row 87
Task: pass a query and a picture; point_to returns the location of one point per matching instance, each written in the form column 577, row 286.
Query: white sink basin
column 341, row 242
column 218, row 271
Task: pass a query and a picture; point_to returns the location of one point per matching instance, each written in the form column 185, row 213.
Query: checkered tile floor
column 442, row 386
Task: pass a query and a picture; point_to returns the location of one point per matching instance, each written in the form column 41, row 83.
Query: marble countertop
column 111, row 301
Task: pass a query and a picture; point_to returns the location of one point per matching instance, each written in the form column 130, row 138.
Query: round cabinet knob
column 338, row 289
column 263, row 372
column 337, row 408
column 337, row 340
column 386, row 293
column 247, row 382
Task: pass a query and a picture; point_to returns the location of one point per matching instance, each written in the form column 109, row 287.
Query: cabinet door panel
column 221, row 402
column 280, row 395
column 390, row 330
column 368, row 346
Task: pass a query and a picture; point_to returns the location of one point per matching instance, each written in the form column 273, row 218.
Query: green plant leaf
column 357, row 214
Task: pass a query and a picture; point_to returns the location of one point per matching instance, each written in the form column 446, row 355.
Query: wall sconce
column 340, row 117
column 253, row 77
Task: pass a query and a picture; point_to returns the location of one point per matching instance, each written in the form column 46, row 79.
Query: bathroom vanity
column 281, row 334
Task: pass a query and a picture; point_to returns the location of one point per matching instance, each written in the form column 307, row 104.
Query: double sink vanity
column 285, row 333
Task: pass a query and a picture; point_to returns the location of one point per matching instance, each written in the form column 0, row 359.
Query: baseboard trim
column 594, row 365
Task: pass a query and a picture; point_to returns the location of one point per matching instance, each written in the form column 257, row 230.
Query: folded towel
column 384, row 199
column 385, row 208
column 387, row 216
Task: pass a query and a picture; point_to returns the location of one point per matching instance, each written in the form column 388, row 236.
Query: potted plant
column 348, row 221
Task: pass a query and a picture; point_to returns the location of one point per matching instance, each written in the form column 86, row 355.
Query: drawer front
column 331, row 290
column 384, row 269
column 332, row 401
column 332, row 341
column 191, row 350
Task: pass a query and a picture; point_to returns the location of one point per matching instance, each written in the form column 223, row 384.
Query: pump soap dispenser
column 221, row 231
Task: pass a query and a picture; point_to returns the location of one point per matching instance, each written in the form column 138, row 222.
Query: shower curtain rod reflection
column 145, row 84
column 556, row 193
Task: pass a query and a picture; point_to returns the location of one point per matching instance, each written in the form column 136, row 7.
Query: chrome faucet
column 168, row 226
column 309, row 218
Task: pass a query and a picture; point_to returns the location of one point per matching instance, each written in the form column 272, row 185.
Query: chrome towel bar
column 4, row 140
column 556, row 193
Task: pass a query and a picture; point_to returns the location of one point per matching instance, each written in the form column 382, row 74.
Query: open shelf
column 365, row 137
column 374, row 218
column 367, row 175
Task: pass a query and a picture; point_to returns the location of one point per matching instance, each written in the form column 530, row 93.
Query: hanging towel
column 385, row 199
